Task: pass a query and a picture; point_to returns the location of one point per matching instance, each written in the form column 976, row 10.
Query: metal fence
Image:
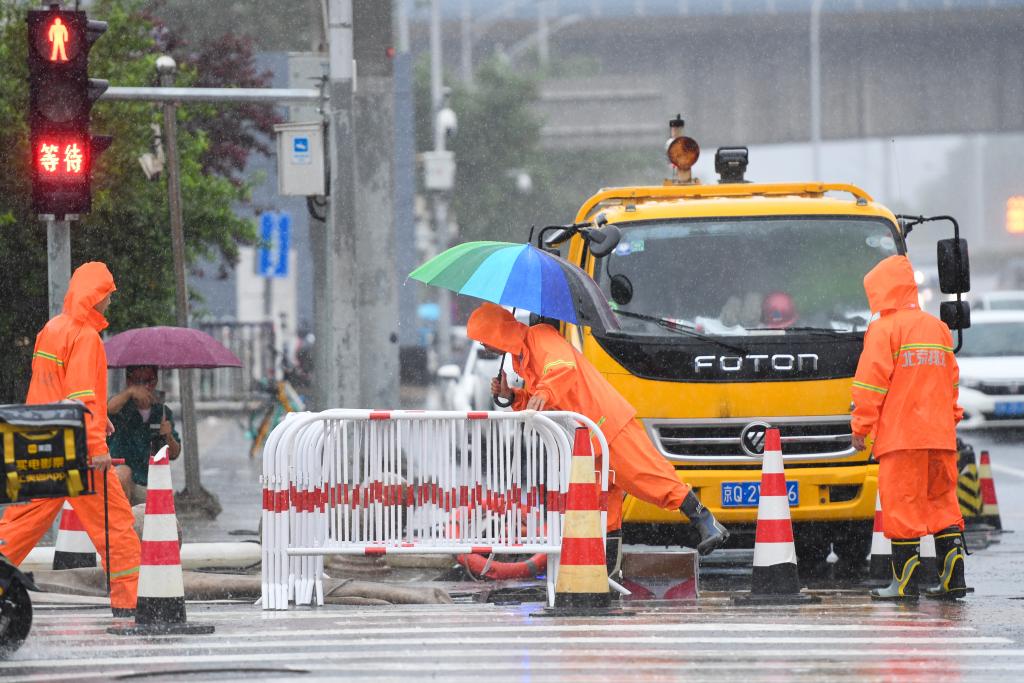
column 254, row 344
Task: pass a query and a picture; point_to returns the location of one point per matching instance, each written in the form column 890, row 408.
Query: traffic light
column 61, row 96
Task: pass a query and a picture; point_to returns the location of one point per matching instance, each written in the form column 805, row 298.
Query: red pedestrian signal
column 61, row 96
column 56, row 158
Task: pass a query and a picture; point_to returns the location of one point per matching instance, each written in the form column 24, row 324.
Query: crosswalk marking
column 848, row 635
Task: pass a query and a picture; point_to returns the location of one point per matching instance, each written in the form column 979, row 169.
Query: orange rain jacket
column 551, row 369
column 69, row 360
column 905, row 390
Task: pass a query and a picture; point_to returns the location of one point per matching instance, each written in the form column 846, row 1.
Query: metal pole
column 194, row 496
column 378, row 279
column 815, row 95
column 444, row 298
column 466, row 42
column 58, row 262
column 543, row 46
column 340, row 379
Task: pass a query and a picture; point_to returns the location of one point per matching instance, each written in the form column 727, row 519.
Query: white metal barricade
column 362, row 482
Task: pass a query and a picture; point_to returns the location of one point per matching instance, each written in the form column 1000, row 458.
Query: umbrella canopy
column 168, row 347
column 522, row 276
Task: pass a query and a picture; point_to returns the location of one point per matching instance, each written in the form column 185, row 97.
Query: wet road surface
column 844, row 638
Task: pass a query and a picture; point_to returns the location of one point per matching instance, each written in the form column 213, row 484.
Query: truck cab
column 741, row 307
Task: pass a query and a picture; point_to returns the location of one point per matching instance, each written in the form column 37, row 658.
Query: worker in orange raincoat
column 69, row 362
column 557, row 377
column 905, row 393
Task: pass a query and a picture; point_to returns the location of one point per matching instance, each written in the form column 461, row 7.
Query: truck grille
column 1001, row 388
column 719, row 441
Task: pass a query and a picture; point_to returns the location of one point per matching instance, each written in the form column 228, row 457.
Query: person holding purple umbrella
column 143, row 424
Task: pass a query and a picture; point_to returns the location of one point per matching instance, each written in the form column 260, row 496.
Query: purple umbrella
column 168, row 347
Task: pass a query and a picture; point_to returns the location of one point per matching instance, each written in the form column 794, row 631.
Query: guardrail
column 362, row 482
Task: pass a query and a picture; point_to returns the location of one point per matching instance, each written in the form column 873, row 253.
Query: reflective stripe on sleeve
column 556, row 363
column 48, row 356
column 870, row 387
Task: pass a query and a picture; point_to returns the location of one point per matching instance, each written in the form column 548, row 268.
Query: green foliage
column 129, row 227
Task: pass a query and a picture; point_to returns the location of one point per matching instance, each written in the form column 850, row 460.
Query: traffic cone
column 73, row 550
column 161, row 601
column 775, row 579
column 581, row 586
column 880, row 563
column 989, row 506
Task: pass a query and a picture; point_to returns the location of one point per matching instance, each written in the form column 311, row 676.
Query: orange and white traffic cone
column 581, row 586
column 880, row 562
column 73, row 550
column 775, row 579
column 989, row 505
column 161, row 601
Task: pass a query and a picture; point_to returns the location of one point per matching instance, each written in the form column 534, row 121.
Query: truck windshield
column 745, row 276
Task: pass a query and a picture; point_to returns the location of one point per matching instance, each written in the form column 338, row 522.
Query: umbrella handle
column 501, row 401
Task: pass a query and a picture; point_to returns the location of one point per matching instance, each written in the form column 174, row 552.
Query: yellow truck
column 741, row 307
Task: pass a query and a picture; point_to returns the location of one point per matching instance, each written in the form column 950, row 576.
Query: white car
column 992, row 370
column 1001, row 300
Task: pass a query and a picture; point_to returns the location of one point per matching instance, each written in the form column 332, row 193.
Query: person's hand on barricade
column 536, row 402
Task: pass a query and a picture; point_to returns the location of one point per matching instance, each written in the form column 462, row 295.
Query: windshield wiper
column 681, row 328
column 826, row 331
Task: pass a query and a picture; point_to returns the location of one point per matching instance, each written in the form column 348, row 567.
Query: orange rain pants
column 636, row 467
column 23, row 525
column 918, row 491
column 552, row 369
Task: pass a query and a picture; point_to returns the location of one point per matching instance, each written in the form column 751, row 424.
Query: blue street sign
column 284, row 230
column 275, row 240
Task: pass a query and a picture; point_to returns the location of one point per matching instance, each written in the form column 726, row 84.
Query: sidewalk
column 227, row 472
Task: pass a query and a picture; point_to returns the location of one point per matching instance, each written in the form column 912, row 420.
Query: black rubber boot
column 613, row 554
column 949, row 551
column 712, row 534
column 906, row 563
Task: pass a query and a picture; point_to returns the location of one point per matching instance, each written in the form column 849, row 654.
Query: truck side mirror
column 956, row 314
column 951, row 254
column 603, row 242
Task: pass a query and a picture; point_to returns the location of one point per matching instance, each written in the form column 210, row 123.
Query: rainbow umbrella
column 522, row 276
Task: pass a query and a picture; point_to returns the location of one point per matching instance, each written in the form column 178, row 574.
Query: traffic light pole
column 194, row 496
column 58, row 261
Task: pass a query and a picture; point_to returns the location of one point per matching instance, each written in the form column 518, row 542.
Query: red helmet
column 778, row 310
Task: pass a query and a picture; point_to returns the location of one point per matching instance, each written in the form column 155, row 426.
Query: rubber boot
column 949, row 548
column 712, row 534
column 613, row 554
column 906, row 563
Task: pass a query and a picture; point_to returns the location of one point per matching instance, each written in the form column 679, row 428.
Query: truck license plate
column 743, row 494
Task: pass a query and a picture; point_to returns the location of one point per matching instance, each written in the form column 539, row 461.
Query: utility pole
column 466, row 42
column 373, row 107
column 440, row 200
column 194, row 496
column 815, row 94
column 58, row 261
column 338, row 299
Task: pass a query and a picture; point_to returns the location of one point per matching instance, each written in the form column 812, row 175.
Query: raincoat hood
column 89, row 284
column 890, row 285
column 493, row 326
